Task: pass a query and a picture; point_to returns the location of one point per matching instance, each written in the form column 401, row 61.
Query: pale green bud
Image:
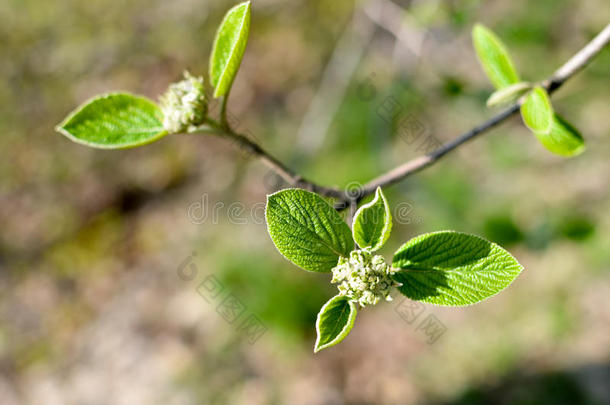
column 184, row 105
column 364, row 278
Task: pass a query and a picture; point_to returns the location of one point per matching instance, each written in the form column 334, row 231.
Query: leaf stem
column 223, row 111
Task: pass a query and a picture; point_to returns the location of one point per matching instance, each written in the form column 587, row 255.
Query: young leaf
column 114, row 121
column 494, row 57
column 306, row 230
column 334, row 322
column 508, row 94
column 537, row 111
column 563, row 139
column 453, row 269
column 229, row 47
column 373, row 223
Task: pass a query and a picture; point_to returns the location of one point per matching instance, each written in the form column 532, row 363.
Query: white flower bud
column 363, row 278
column 184, row 105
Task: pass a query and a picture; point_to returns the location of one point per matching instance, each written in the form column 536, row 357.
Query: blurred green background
column 92, row 306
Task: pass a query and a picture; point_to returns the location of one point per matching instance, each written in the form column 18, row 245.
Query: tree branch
column 213, row 127
column 347, row 199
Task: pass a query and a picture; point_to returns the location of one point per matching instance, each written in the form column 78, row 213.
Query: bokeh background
column 93, row 309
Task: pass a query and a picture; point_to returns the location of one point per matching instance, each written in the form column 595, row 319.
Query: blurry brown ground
column 92, row 310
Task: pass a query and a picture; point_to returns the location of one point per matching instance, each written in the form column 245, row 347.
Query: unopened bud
column 184, row 105
column 364, row 278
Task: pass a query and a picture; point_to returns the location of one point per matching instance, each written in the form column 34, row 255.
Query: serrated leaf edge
column 269, row 233
column 521, row 268
column 387, row 227
column 344, row 332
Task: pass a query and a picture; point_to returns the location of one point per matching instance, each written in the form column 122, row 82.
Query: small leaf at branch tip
column 373, row 222
column 563, row 139
column 494, row 57
column 508, row 94
column 334, row 322
column 229, row 47
column 537, row 111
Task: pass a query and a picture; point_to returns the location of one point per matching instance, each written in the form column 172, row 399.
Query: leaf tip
column 478, row 27
column 479, row 30
column 59, row 128
column 580, row 150
column 62, row 130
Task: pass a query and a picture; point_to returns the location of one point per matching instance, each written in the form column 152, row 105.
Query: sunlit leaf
column 373, row 223
column 537, row 111
column 494, row 57
column 453, row 269
column 335, row 320
column 563, row 139
column 114, row 121
column 229, row 47
column 307, row 230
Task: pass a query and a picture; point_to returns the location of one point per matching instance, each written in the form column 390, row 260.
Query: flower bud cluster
column 184, row 105
column 363, row 277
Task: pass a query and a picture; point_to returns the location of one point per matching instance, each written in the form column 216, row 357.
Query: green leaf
column 508, row 94
column 373, row 223
column 563, row 139
column 453, row 269
column 229, row 47
column 307, row 230
column 494, row 57
column 537, row 111
column 335, row 320
column 114, row 121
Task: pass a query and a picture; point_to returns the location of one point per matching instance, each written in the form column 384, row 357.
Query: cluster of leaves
column 554, row 132
column 123, row 120
column 443, row 268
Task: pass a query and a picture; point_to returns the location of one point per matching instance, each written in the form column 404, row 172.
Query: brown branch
column 349, row 198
